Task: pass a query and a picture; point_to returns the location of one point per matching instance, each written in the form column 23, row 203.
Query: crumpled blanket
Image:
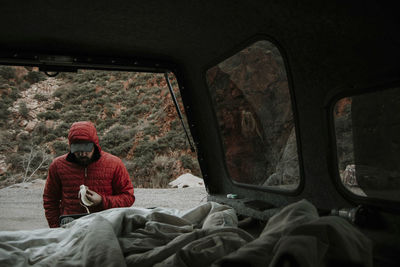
column 206, row 235
column 297, row 236
column 130, row 237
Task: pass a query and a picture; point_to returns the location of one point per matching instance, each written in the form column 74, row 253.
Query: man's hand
column 94, row 197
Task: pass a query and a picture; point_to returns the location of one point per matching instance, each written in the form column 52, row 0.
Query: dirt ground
column 21, row 205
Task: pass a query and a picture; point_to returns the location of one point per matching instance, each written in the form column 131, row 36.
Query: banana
column 82, row 196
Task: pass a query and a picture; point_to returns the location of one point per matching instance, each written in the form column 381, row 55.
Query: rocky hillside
column 133, row 113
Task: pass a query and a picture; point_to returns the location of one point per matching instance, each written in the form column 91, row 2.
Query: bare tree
column 33, row 161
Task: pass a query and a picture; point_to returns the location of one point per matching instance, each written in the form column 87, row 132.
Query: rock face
column 253, row 108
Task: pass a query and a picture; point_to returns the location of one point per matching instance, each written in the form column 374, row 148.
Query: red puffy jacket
column 106, row 175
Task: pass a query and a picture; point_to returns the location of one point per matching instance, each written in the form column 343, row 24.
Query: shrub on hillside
column 74, row 115
column 118, row 98
column 94, row 108
column 15, row 159
column 49, row 115
column 162, row 170
column 144, row 160
column 92, row 117
column 24, row 85
column 60, row 148
column 6, row 140
column 99, row 101
column 187, row 162
column 115, row 86
column 118, row 140
column 40, row 97
column 141, row 108
column 174, row 140
column 4, row 113
column 132, row 99
column 23, row 137
column 23, row 110
column 160, row 180
column 123, row 118
column 72, row 108
column 151, row 130
column 107, row 123
column 34, row 77
column 8, row 96
column 67, row 93
column 7, row 72
column 145, row 147
column 49, row 137
column 128, row 116
column 40, row 130
column 109, row 110
column 35, row 161
column 121, row 150
column 14, row 95
column 59, row 92
column 61, row 130
column 24, row 144
column 57, row 105
column 154, row 90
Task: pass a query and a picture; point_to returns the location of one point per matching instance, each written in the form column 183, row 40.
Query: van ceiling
column 200, row 33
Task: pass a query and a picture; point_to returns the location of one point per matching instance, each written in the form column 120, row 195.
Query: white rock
column 187, row 180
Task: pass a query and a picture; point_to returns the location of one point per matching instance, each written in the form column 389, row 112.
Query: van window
column 133, row 112
column 367, row 131
column 135, row 118
column 253, row 108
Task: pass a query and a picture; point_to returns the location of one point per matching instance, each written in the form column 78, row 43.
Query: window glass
column 368, row 143
column 253, row 107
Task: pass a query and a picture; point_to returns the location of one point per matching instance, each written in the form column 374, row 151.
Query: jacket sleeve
column 52, row 197
column 123, row 195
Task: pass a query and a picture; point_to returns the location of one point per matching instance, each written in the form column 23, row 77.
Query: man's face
column 84, row 157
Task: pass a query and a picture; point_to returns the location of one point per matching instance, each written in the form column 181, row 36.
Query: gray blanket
column 203, row 236
column 297, row 236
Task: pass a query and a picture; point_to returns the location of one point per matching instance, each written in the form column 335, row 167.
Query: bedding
column 207, row 235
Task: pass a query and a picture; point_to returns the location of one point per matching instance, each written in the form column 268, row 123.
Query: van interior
column 291, row 106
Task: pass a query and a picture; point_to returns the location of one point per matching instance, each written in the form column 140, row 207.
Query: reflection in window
column 368, row 143
column 253, row 107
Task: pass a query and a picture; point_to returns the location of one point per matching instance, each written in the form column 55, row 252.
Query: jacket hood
column 83, row 131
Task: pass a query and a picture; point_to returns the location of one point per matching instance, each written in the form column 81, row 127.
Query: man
column 105, row 176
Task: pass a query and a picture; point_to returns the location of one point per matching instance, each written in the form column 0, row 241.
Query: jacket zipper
column 84, row 182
